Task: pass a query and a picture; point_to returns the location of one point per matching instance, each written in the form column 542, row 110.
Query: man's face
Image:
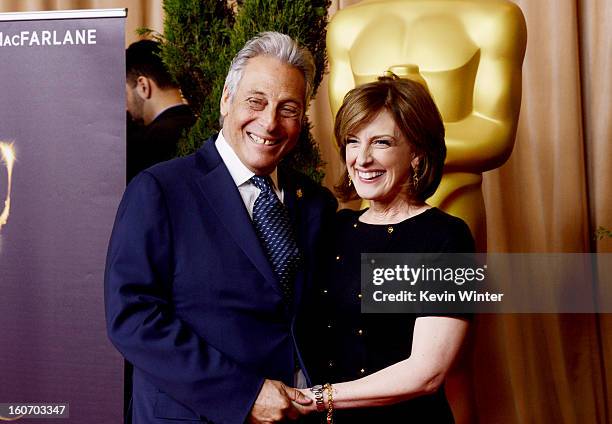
column 134, row 103
column 262, row 121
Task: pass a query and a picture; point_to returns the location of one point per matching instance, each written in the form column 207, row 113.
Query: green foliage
column 202, row 36
column 195, row 48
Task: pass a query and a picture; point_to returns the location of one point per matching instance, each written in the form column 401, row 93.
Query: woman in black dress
column 385, row 368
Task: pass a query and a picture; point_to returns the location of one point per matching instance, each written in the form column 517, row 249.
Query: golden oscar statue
column 469, row 53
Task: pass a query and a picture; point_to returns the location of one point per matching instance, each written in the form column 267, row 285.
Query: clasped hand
column 277, row 402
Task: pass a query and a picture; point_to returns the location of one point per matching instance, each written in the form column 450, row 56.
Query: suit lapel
column 289, row 199
column 292, row 196
column 223, row 196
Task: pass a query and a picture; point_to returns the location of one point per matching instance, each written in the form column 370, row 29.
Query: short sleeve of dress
column 456, row 238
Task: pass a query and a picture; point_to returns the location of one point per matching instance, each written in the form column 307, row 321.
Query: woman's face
column 378, row 159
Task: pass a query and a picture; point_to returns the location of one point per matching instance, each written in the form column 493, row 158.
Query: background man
column 155, row 101
column 210, row 255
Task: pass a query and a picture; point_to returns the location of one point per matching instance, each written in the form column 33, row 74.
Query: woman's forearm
column 399, row 382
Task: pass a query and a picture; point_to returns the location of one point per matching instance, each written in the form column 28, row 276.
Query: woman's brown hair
column 414, row 113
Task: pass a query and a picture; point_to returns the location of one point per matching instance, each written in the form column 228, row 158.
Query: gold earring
column 415, row 178
column 350, row 182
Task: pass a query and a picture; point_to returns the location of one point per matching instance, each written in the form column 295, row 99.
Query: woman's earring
column 415, row 178
column 350, row 182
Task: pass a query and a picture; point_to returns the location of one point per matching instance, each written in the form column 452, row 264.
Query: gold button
column 390, row 229
column 360, row 332
column 354, row 225
column 362, row 371
column 337, row 258
column 324, row 291
column 359, row 295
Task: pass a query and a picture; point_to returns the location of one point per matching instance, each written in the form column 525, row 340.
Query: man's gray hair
column 273, row 44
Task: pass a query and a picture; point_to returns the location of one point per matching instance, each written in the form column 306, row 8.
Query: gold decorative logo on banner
column 7, row 158
column 11, row 419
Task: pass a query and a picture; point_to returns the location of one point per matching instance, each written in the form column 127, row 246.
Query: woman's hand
column 311, row 407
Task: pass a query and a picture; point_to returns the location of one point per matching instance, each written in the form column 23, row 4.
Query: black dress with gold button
column 339, row 343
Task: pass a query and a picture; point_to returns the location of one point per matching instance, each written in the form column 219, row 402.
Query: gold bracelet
column 330, row 403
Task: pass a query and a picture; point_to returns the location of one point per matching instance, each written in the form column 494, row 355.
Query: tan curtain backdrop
column 549, row 197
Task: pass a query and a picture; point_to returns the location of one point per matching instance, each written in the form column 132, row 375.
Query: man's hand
column 308, row 408
column 277, row 402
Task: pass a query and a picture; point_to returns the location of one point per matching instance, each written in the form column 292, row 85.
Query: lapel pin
column 299, row 193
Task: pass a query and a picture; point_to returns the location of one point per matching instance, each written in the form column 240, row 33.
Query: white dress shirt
column 242, row 175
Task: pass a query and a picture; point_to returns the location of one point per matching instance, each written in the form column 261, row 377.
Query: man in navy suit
column 210, row 255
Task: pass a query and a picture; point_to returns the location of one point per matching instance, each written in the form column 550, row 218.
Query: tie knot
column 262, row 182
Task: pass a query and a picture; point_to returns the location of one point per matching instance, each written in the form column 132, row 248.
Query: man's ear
column 224, row 104
column 144, row 87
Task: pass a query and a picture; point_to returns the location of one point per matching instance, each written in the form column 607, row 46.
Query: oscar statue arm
column 341, row 33
column 484, row 139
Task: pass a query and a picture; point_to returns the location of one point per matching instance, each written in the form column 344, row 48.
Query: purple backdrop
column 63, row 108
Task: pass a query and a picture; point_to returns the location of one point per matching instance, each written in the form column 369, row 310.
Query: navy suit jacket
column 191, row 299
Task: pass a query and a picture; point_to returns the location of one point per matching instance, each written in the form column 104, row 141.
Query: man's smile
column 263, row 141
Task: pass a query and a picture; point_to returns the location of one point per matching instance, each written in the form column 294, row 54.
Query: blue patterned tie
column 274, row 230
